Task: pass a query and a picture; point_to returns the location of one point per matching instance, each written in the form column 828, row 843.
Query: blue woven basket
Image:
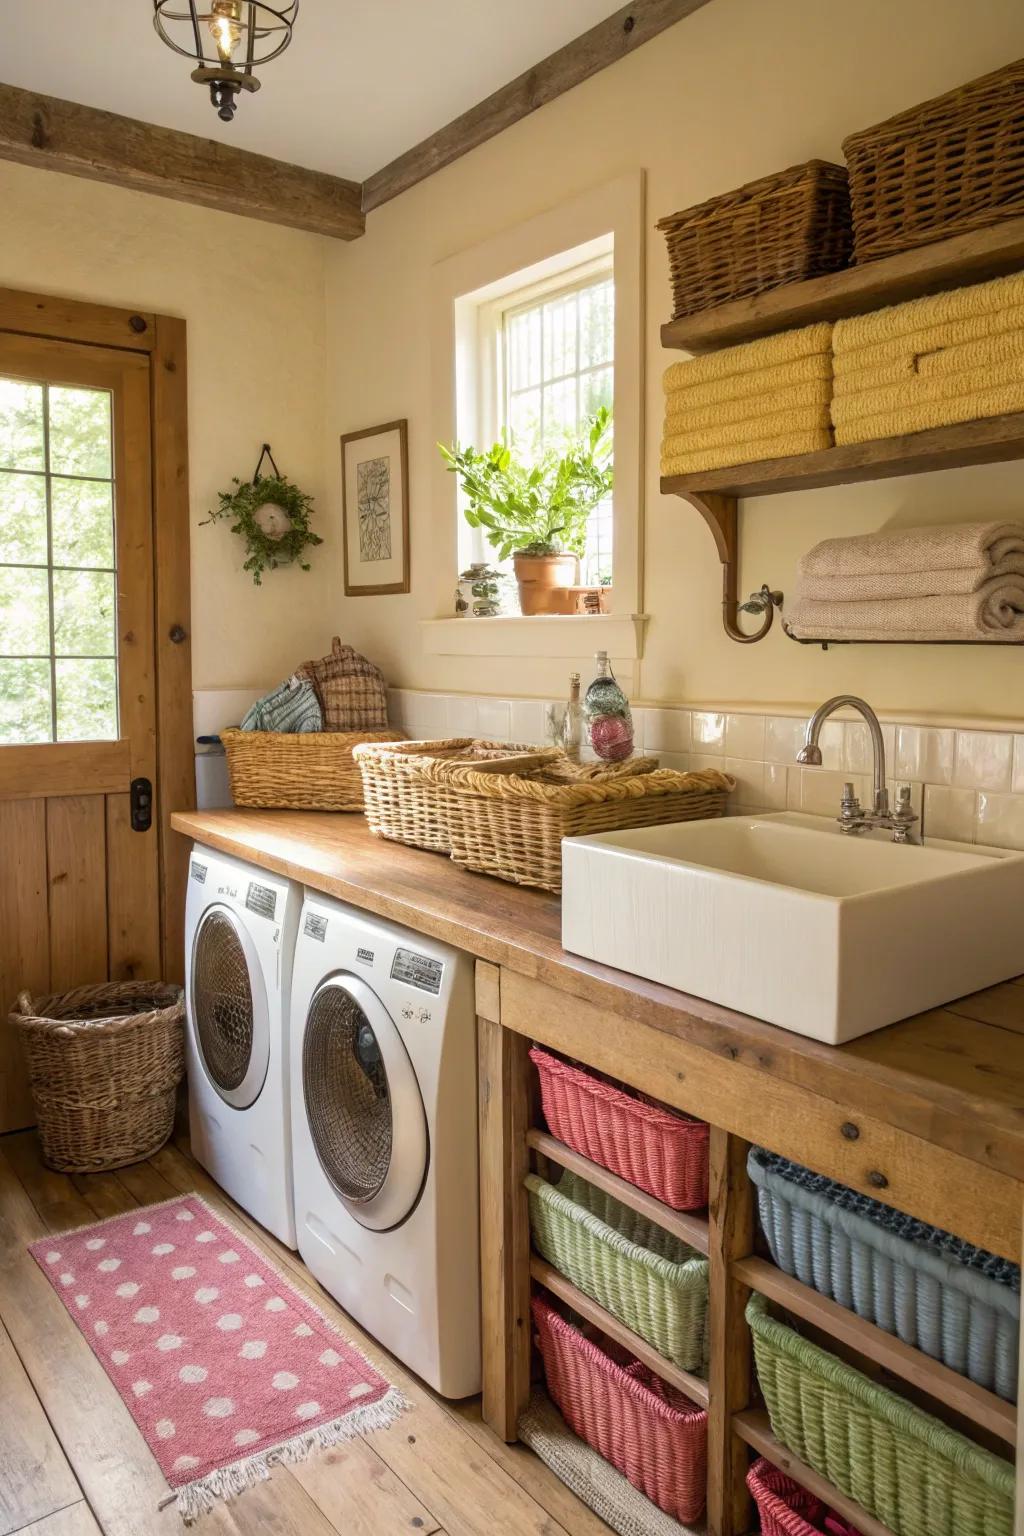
column 948, row 1299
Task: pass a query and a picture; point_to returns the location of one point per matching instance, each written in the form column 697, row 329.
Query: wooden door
column 79, row 888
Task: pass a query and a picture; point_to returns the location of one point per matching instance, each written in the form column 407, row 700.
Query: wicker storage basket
column 103, row 1064
column 952, row 164
column 653, row 1434
column 935, row 1292
column 648, row 1278
column 663, row 1153
column 304, row 771
column 909, row 1470
column 780, row 229
column 786, row 1509
column 512, row 825
column 405, row 802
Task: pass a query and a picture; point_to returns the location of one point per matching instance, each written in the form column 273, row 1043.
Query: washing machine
column 240, row 927
column 384, row 1135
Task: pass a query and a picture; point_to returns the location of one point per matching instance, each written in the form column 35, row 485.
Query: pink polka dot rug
column 225, row 1367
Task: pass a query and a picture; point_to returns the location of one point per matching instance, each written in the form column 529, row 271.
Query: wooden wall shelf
column 690, row 1229
column 970, row 258
column 958, row 1393
column 752, row 1427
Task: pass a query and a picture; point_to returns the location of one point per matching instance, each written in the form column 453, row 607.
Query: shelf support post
column 721, row 515
column 730, row 1236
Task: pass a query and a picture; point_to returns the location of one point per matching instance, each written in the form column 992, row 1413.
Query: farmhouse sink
column 786, row 918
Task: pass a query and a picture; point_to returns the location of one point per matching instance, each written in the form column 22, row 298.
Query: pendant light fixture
column 228, row 40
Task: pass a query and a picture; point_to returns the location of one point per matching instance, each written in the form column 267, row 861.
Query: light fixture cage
column 260, row 32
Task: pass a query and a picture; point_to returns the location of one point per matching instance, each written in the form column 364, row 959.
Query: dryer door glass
column 363, row 1104
column 222, row 1001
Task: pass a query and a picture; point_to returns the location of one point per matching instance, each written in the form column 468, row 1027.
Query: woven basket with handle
column 779, row 229
column 301, row 771
column 103, row 1063
column 947, row 166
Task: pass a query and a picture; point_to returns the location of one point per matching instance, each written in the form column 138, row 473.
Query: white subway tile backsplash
column 493, row 719
column 463, row 711
column 526, row 721
column 676, row 760
column 819, row 791
column 699, row 760
column 707, row 731
column 949, row 813
column 1000, row 820
column 783, row 738
column 667, row 730
column 924, row 753
column 858, row 755
column 984, row 760
column 744, row 737
column 425, row 716
column 749, row 776
column 775, row 786
column 1017, row 779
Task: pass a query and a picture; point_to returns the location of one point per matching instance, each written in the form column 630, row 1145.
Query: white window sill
column 565, row 636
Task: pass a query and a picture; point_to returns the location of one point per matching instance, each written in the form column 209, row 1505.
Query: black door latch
column 142, row 805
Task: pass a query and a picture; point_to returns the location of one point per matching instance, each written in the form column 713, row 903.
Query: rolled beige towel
column 850, row 589
column 899, row 551
column 994, row 613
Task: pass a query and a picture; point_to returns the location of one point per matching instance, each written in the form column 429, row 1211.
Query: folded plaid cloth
column 291, row 707
column 351, row 690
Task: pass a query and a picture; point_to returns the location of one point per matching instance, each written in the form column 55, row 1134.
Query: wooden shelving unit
column 754, row 1429
column 969, row 258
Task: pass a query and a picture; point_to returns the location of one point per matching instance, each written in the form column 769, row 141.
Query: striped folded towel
column 290, row 708
column 682, row 416
column 952, row 558
column 778, row 424
column 752, row 385
column 695, row 461
column 924, row 389
column 1002, row 400
column 996, row 335
column 769, row 352
column 995, row 612
column 937, row 309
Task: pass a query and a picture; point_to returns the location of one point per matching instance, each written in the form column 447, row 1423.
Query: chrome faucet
column 852, row 818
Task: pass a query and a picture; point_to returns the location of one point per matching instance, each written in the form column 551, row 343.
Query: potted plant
column 538, row 513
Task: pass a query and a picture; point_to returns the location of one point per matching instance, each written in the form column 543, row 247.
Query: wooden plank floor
column 72, row 1462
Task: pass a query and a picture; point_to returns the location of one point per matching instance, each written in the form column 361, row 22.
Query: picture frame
column 375, row 510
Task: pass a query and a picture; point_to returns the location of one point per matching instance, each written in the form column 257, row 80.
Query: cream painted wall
column 742, row 88
column 253, row 297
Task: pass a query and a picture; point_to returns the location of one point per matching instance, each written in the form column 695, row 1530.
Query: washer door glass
column 363, row 1104
column 229, row 1008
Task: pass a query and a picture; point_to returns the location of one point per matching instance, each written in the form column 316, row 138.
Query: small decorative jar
column 479, row 591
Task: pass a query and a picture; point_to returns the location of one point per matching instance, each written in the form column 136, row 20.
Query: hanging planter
column 272, row 515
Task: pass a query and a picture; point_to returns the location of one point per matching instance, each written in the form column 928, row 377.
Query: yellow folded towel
column 680, row 416
column 769, row 352
column 924, row 390
column 995, row 612
column 778, row 424
column 931, row 342
column 936, row 309
column 911, row 562
column 1000, row 401
column 759, row 381
column 695, row 463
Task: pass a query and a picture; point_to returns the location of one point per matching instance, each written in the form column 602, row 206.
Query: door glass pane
column 22, row 443
column 83, row 613
column 80, row 432
column 86, row 700
column 83, row 522
column 24, row 612
column 24, row 701
column 22, row 519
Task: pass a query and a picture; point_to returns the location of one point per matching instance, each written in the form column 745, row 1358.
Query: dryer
column 384, row 1134
column 240, row 927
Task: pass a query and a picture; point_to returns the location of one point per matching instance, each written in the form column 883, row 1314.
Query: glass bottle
column 607, row 715
column 572, row 729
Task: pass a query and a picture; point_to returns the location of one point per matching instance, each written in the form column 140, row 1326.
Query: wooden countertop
column 953, row 1076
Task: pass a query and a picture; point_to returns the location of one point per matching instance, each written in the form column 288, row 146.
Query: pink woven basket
column 786, row 1509
column 654, row 1435
column 663, row 1153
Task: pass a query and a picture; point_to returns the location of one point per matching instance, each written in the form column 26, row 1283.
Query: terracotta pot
column 543, row 581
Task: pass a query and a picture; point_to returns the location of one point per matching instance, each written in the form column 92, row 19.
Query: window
column 58, row 576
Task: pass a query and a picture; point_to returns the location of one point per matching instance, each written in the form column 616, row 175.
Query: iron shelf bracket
column 720, row 514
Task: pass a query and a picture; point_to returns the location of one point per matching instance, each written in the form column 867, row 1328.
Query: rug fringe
column 198, row 1498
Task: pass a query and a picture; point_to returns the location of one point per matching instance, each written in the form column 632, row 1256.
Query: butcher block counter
column 926, row 1116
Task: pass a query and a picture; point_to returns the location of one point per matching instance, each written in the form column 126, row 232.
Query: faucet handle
column 904, row 816
column 851, row 814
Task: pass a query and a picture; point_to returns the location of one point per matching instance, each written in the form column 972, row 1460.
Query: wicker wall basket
column 103, row 1064
column 512, row 825
column 300, row 771
column 950, row 165
column 780, row 229
column 407, row 803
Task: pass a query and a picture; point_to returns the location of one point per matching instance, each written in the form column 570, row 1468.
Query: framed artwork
column 375, row 510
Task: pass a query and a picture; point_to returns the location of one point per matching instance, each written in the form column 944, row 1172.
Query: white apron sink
column 786, row 918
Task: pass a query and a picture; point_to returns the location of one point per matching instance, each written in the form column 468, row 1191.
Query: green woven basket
column 910, row 1471
column 650, row 1280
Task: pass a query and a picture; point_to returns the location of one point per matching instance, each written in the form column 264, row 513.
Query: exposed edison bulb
column 225, row 24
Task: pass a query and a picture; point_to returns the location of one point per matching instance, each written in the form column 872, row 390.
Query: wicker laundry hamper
column 103, row 1063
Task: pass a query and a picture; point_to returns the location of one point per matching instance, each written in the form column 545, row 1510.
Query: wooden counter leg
column 731, row 1236
column 504, row 1225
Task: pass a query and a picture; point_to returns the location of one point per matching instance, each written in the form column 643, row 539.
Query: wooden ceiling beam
column 611, row 40
column 103, row 146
